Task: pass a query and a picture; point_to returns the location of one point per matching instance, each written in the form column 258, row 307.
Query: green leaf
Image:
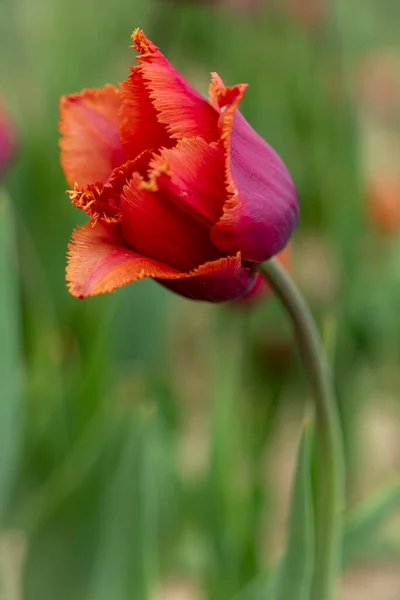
column 294, row 573
column 136, row 497
column 10, row 375
column 292, row 577
column 364, row 521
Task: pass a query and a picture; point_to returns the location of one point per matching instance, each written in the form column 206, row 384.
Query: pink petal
column 216, row 281
column 262, row 209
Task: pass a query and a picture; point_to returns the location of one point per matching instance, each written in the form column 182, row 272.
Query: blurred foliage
column 139, row 432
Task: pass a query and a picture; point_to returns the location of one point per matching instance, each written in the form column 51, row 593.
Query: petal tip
column 223, row 97
column 141, row 43
column 158, row 166
column 88, row 94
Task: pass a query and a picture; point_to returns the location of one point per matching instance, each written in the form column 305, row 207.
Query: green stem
column 328, row 443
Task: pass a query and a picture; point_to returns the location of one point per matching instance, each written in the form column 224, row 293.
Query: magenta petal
column 262, row 207
column 217, row 281
column 260, row 290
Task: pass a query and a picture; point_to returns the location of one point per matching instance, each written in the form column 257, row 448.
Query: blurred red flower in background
column 7, row 139
column 177, row 188
column 378, row 84
column 308, row 12
column 383, row 205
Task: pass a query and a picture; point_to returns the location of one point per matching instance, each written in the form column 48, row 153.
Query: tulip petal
column 157, row 227
column 99, row 262
column 216, row 281
column 157, row 96
column 262, row 209
column 192, row 176
column 90, row 146
column 102, row 201
column 140, row 128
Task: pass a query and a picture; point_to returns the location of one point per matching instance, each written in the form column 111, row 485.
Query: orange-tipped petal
column 216, row 281
column 261, row 210
column 90, row 146
column 159, row 105
column 99, row 261
column 102, row 201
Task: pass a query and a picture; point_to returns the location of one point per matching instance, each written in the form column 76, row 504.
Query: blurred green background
column 147, row 443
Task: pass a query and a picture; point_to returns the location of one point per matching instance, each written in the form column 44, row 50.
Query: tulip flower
column 177, row 188
column 7, row 140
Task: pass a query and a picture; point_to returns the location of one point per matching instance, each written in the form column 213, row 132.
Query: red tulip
column 7, row 140
column 177, row 188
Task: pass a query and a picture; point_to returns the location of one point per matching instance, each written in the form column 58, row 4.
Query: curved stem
column 328, row 443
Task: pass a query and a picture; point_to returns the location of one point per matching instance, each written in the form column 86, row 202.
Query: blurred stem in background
column 10, row 359
column 346, row 233
column 329, row 475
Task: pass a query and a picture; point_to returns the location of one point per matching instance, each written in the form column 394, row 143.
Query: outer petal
column 158, row 97
column 262, row 209
column 99, row 262
column 217, row 281
column 90, row 146
column 157, row 227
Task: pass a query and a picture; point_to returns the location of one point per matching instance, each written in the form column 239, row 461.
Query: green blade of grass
column 230, row 509
column 10, row 375
column 127, row 557
column 363, row 522
column 294, row 574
